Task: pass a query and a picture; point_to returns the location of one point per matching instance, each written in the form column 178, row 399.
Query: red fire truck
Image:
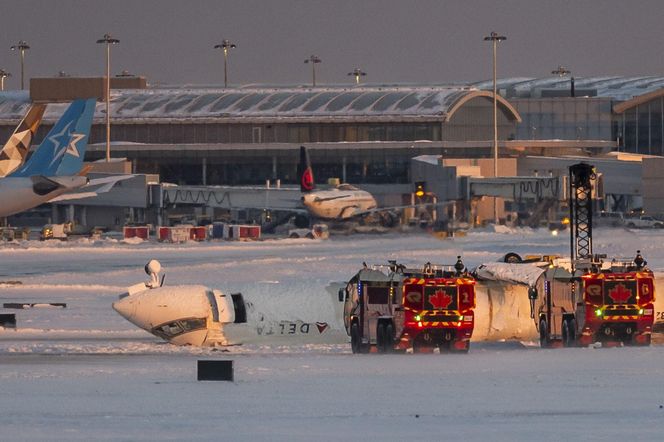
column 394, row 308
column 587, row 298
column 606, row 302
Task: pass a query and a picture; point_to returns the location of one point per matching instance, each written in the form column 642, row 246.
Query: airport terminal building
column 362, row 134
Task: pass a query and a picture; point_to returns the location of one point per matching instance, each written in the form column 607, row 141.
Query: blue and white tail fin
column 63, row 149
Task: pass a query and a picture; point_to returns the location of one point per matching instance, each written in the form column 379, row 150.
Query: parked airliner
column 339, row 203
column 53, row 169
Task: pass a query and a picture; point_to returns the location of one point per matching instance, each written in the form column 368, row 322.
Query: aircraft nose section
column 125, row 307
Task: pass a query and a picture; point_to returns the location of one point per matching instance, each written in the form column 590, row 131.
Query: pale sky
column 394, row 41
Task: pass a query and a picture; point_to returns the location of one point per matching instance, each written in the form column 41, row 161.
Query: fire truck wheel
column 380, row 337
column 571, row 332
column 355, row 339
column 389, row 337
column 543, row 333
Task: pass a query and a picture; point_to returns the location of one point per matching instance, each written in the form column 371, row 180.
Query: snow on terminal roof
column 186, row 103
column 366, row 100
column 284, row 102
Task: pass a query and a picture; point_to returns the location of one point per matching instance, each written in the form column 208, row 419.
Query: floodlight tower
column 562, row 71
column 108, row 41
column 314, row 60
column 494, row 38
column 357, row 73
column 21, row 47
column 225, row 46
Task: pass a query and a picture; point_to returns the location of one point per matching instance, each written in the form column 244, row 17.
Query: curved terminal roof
column 373, row 103
column 388, row 102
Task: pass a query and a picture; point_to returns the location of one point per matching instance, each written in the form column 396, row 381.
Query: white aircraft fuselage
column 198, row 315
column 342, row 202
column 201, row 316
column 18, row 194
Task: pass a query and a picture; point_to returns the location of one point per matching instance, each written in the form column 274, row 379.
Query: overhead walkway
column 518, row 188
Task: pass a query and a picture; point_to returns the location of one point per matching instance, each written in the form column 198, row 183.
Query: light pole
column 357, row 73
column 563, row 71
column 21, row 47
column 314, row 60
column 3, row 74
column 495, row 38
column 225, row 46
column 108, row 41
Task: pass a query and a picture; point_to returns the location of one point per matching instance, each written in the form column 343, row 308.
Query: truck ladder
column 581, row 211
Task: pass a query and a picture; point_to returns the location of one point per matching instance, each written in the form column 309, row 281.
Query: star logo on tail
column 65, row 142
column 71, row 147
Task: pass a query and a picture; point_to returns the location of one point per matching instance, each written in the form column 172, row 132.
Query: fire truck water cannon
column 397, row 308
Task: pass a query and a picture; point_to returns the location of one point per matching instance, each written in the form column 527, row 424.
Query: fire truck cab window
column 378, row 295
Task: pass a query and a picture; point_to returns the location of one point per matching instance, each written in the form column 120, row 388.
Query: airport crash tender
column 403, row 308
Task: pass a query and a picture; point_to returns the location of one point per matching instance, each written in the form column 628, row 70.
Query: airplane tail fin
column 304, row 171
column 16, row 149
column 63, row 149
column 72, row 160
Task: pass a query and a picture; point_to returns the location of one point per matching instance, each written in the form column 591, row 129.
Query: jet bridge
column 518, row 188
column 229, row 197
column 541, row 194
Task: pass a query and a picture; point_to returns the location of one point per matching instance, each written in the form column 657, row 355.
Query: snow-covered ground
column 85, row 373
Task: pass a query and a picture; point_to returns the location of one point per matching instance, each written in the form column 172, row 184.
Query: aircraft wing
column 330, row 198
column 396, row 208
column 105, row 184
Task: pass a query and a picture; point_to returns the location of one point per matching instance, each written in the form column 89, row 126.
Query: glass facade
column 640, row 129
column 564, row 118
column 474, row 122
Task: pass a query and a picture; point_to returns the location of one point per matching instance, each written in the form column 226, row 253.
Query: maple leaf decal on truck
column 440, row 299
column 620, row 294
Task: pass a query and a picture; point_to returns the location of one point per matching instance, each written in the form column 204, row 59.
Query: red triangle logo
column 307, row 180
column 322, row 326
